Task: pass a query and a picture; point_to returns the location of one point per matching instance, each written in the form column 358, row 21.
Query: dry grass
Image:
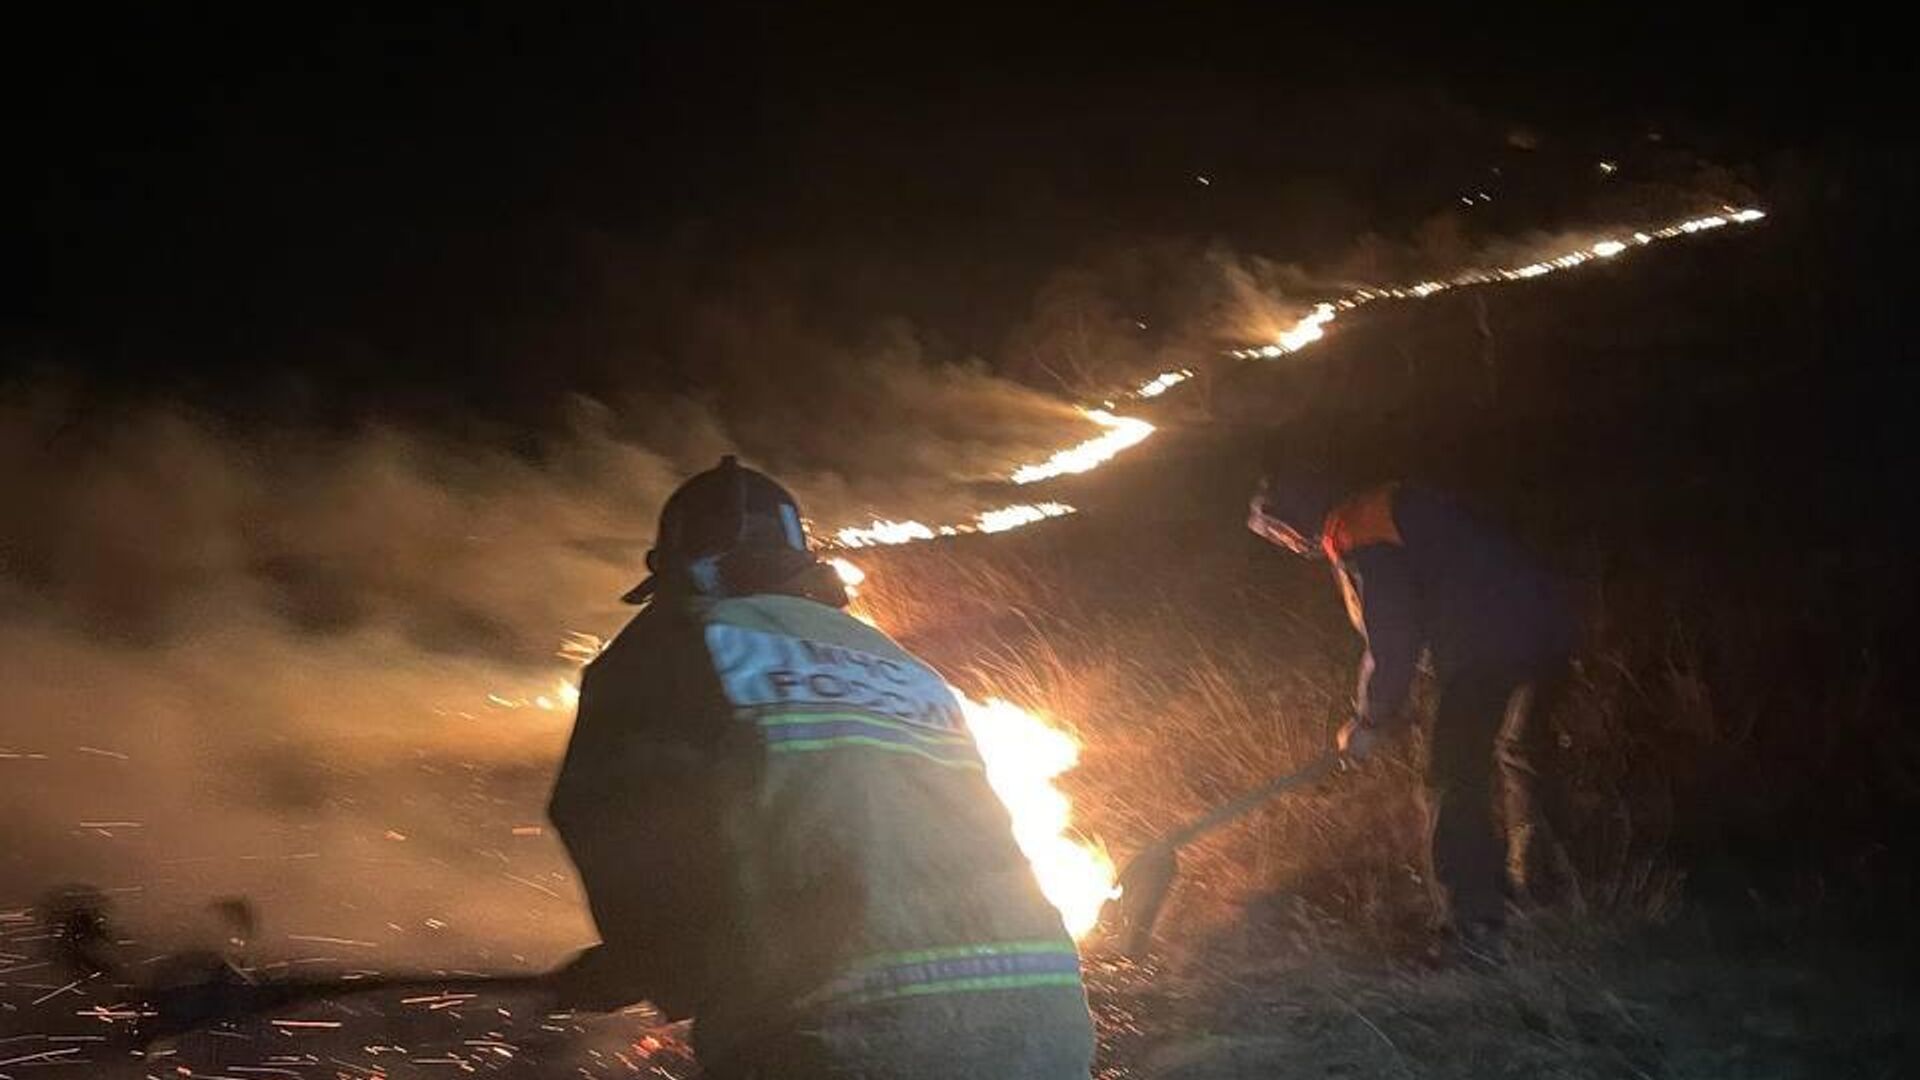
column 1286, row 948
column 1736, row 751
column 1177, row 711
column 1182, row 703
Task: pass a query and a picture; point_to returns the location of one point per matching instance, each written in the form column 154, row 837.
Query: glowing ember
column 1607, row 249
column 1024, row 754
column 1122, row 432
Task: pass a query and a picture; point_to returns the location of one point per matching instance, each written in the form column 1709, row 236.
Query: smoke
column 237, row 660
column 317, row 665
column 1137, row 310
column 306, row 658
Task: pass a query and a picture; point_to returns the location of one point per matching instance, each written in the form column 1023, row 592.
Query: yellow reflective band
column 865, row 743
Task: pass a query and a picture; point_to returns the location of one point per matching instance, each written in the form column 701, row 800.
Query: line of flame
column 1023, row 752
column 882, row 532
column 1312, row 326
column 1122, row 432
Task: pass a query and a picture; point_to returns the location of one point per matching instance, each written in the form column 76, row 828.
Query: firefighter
column 1419, row 573
column 783, row 827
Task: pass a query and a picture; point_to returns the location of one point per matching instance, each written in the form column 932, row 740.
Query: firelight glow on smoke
column 1024, row 753
column 1124, row 432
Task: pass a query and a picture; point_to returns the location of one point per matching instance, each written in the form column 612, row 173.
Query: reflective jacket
column 780, row 819
column 1417, row 572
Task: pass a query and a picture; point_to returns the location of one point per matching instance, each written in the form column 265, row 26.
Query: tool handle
column 1239, row 805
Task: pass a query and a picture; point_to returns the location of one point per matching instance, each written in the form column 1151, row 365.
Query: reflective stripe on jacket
column 844, row 845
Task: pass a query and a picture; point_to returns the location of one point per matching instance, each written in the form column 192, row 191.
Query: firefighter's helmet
column 728, row 508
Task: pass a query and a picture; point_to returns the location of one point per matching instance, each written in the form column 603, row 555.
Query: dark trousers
column 1493, row 724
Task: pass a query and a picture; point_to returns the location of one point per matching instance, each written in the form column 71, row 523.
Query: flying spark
column 1024, row 754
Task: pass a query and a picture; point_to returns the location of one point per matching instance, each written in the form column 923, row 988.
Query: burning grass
column 1289, row 943
column 1730, row 704
column 1734, row 756
column 1187, row 694
column 1178, row 709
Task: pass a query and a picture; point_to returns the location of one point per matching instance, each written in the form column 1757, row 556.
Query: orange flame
column 882, row 532
column 1122, row 432
column 1024, row 754
column 1312, row 326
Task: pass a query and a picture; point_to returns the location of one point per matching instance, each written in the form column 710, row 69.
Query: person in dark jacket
column 1419, row 573
column 784, row 829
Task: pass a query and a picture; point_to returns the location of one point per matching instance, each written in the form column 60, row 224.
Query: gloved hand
column 1357, row 739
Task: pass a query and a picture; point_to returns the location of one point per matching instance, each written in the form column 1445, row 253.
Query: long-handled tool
column 196, row 989
column 1148, row 877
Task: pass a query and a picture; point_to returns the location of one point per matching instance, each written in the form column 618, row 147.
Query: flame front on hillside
column 1311, row 327
column 884, row 533
column 1122, row 432
column 1023, row 752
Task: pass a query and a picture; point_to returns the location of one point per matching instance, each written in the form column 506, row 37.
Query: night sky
column 340, row 214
